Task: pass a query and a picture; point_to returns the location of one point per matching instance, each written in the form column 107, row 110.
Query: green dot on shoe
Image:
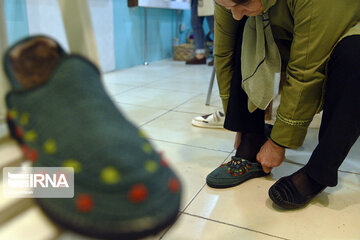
column 142, row 134
column 49, row 146
column 13, row 114
column 151, row 166
column 24, row 119
column 30, row 136
column 110, row 175
column 76, row 165
column 147, row 148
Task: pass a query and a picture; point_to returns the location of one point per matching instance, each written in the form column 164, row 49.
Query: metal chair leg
column 210, row 87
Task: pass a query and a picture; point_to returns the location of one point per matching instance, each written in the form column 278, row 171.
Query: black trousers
column 340, row 126
column 238, row 118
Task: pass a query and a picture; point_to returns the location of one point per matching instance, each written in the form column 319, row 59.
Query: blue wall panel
column 130, row 34
column 16, row 20
column 129, row 31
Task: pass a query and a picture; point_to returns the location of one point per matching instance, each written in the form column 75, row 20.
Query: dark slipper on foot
column 233, row 173
column 285, row 194
column 61, row 116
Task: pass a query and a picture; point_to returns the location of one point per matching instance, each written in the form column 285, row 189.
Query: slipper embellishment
column 233, row 173
column 237, row 166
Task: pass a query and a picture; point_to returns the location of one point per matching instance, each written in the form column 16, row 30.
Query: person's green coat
column 306, row 32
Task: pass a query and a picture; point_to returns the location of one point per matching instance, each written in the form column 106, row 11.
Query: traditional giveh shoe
column 234, row 172
column 61, row 115
column 213, row 120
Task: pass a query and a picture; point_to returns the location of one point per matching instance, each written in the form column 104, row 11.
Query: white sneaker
column 213, row 120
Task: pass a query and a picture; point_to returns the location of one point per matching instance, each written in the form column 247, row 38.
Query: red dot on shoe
column 24, row 149
column 138, row 193
column 174, row 185
column 164, row 163
column 32, row 155
column 19, row 132
column 162, row 159
column 84, row 203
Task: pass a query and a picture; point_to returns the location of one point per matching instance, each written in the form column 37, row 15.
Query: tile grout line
column 187, row 145
column 183, row 211
column 138, row 105
column 200, row 189
column 236, row 226
column 118, row 94
column 134, row 87
column 168, row 228
column 170, row 110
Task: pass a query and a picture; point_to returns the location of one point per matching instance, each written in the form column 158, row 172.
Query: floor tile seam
column 188, row 100
column 153, row 119
column 106, row 84
column 144, row 106
column 139, row 105
column 191, row 97
column 168, row 111
column 172, row 90
column 190, row 79
column 159, row 79
column 188, row 145
column 199, row 191
column 236, row 226
column 170, row 227
column 193, row 198
column 133, row 88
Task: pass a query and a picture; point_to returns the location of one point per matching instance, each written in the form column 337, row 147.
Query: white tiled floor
column 161, row 99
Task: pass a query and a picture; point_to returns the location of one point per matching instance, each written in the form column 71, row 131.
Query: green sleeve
column 312, row 43
column 224, row 46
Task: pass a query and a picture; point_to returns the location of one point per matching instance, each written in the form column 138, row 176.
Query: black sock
column 250, row 145
column 305, row 184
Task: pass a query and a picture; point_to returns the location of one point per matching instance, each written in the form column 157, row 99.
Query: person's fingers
column 266, row 169
column 258, row 157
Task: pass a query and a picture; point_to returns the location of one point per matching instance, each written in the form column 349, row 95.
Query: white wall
column 44, row 17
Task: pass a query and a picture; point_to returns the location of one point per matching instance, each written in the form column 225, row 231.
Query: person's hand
column 237, row 140
column 270, row 155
